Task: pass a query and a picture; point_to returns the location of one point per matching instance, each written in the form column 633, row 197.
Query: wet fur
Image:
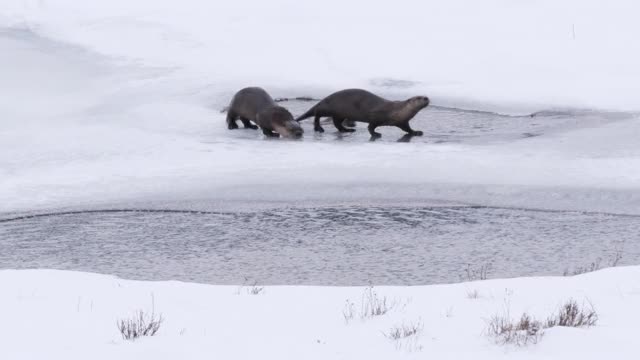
column 363, row 106
column 254, row 104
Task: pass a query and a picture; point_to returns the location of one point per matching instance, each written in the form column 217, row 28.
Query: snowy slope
column 536, row 53
column 67, row 315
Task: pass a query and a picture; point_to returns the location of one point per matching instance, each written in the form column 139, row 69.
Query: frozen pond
column 346, row 245
column 90, row 132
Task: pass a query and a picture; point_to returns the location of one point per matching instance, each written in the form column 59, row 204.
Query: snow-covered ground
column 565, row 53
column 68, row 315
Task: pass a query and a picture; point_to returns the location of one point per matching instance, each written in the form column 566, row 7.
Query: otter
column 363, row 106
column 255, row 104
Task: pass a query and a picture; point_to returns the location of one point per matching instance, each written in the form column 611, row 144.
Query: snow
column 565, row 53
column 117, row 102
column 70, row 315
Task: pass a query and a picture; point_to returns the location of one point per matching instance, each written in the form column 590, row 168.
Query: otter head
column 406, row 110
column 419, row 102
column 283, row 123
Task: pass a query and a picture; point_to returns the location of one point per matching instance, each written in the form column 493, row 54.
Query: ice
column 531, row 54
column 81, row 129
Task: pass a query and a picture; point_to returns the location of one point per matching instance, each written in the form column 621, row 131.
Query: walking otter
column 255, row 104
column 361, row 105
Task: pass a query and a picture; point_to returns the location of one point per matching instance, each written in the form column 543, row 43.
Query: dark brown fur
column 363, row 106
column 255, row 104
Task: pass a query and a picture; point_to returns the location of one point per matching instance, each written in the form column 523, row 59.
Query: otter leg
column 338, row 123
column 349, row 123
column 247, row 124
column 269, row 133
column 231, row 120
column 316, row 124
column 409, row 130
column 372, row 130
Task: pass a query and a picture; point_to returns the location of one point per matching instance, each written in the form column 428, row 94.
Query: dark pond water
column 347, row 245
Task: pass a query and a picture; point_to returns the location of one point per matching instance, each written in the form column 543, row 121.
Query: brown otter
column 255, row 104
column 361, row 105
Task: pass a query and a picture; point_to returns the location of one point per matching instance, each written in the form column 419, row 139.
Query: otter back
column 255, row 104
column 363, row 106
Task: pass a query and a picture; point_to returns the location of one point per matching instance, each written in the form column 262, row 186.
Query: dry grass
column 371, row 305
column 615, row 259
column 255, row 290
column 449, row 312
column 473, row 294
column 349, row 311
column 522, row 332
column 404, row 331
column 374, row 305
column 141, row 324
column 594, row 266
column 252, row 289
column 476, row 273
column 528, row 330
column 571, row 314
column 597, row 264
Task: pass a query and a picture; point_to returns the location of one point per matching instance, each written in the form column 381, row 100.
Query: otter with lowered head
column 255, row 104
column 363, row 106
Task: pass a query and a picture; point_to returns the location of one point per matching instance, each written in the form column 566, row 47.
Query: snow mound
column 73, row 316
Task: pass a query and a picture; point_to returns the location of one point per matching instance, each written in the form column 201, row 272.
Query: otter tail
column 308, row 114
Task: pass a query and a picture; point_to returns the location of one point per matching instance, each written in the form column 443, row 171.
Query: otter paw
column 417, row 133
column 232, row 126
column 318, row 129
column 254, row 127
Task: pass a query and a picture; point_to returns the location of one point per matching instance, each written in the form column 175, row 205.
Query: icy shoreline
column 73, row 315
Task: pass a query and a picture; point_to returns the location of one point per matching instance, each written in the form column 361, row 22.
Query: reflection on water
column 321, row 246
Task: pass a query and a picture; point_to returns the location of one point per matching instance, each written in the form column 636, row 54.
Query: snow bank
column 571, row 53
column 69, row 315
